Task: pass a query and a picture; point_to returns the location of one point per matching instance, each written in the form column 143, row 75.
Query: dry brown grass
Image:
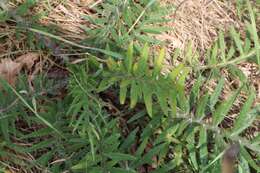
column 198, row 22
column 195, row 21
column 67, row 16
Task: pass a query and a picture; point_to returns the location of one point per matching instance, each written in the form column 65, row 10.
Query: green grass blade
column 30, row 108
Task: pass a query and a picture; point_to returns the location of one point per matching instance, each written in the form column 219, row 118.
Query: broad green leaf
column 167, row 135
column 176, row 54
column 244, row 153
column 106, row 83
column 222, row 46
column 24, row 7
column 215, row 95
column 155, row 151
column 128, row 16
column 147, row 39
column 159, row 62
column 148, row 100
column 151, row 126
column 120, row 156
column 245, row 117
column 196, row 90
column 247, row 44
column 254, row 31
column 203, row 145
column 162, row 96
column 192, row 148
column 135, row 92
column 256, row 140
column 123, row 90
column 142, row 63
column 182, row 127
column 201, row 107
column 236, row 72
column 224, row 108
column 45, row 158
column 176, row 72
column 129, row 140
column 130, row 57
column 183, row 102
column 137, row 116
column 231, row 53
column 184, row 74
column 237, row 40
column 243, row 166
column 111, row 64
column 173, row 102
column 218, row 157
column 142, row 146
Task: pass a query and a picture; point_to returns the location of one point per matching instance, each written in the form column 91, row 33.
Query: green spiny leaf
column 162, row 96
column 245, row 117
column 254, row 31
column 203, row 140
column 215, row 95
column 176, row 72
column 134, row 93
column 224, row 108
column 158, row 62
column 222, row 46
column 142, row 63
column 123, row 90
column 237, row 40
column 201, row 107
column 130, row 57
column 249, row 159
column 147, row 93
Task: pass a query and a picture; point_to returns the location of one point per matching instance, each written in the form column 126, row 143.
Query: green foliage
column 231, row 49
column 145, row 83
column 148, row 85
column 176, row 136
column 163, row 125
column 117, row 22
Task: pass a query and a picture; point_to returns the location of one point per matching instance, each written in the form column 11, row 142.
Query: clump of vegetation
column 111, row 103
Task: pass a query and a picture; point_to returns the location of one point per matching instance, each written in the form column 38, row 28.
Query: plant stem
column 234, row 61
